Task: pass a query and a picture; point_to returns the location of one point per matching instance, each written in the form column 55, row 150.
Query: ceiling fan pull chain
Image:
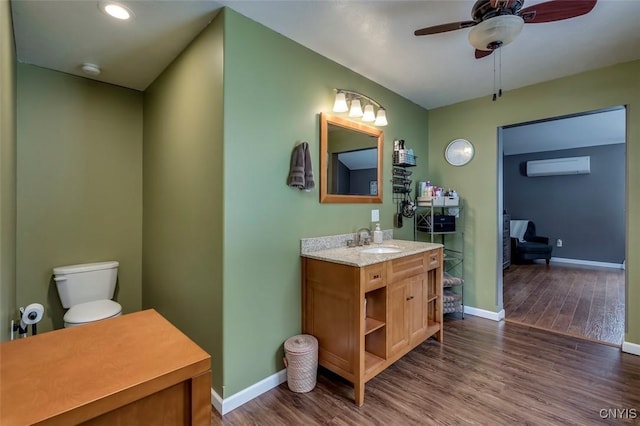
column 500, row 72
column 494, row 79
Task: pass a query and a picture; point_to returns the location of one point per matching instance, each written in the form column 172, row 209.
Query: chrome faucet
column 367, row 239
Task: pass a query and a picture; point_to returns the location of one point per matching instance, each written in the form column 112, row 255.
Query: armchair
column 533, row 246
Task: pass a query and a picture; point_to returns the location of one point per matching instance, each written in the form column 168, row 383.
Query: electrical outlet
column 559, row 242
column 375, row 215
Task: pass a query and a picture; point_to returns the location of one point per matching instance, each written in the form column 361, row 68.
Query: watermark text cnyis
column 619, row 413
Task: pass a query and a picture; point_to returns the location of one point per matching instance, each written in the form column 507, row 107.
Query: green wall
column 478, row 121
column 183, row 194
column 275, row 90
column 221, row 228
column 79, row 184
column 7, row 171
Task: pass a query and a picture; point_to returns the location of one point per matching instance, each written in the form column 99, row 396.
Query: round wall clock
column 459, row 152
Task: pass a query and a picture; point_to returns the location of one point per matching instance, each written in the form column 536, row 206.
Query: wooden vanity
column 368, row 311
column 134, row 369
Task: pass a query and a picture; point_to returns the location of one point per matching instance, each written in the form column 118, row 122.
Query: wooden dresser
column 506, row 241
column 132, row 370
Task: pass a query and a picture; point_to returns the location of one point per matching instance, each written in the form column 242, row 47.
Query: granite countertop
column 353, row 256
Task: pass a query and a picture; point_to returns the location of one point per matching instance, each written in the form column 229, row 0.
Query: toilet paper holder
column 31, row 315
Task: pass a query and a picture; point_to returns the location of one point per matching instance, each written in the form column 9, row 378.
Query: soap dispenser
column 377, row 234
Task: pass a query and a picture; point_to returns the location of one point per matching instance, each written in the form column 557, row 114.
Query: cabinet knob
column 375, row 277
column 410, row 297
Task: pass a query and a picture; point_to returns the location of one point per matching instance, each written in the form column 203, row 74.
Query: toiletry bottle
column 377, row 235
column 428, row 190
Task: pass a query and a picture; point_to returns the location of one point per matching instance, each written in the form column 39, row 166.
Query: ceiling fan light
column 501, row 28
column 340, row 104
column 368, row 114
column 356, row 109
column 381, row 118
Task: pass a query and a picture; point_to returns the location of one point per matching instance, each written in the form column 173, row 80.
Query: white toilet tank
column 85, row 282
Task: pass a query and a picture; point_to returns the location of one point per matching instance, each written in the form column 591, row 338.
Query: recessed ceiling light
column 116, row 10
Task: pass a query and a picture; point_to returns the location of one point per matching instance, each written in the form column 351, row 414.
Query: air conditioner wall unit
column 559, row 166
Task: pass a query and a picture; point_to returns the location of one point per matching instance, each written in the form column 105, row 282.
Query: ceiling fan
column 496, row 23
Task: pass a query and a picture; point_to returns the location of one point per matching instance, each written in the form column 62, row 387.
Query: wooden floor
column 484, row 372
column 574, row 300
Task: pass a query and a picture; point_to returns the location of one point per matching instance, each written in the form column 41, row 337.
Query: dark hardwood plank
column 568, row 309
column 484, row 373
column 542, row 301
column 581, row 315
column 552, row 310
column 527, row 295
column 595, row 324
column 613, row 328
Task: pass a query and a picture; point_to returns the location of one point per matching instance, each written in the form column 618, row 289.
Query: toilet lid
column 92, row 311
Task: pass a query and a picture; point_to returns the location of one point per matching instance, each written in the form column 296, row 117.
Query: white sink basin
column 381, row 250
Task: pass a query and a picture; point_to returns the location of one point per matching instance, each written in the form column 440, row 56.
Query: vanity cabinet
column 365, row 318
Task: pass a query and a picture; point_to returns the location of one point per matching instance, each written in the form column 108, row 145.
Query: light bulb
column 340, row 104
column 368, row 114
column 356, row 109
column 381, row 118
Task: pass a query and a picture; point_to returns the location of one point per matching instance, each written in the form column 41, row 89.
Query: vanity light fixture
column 116, row 10
column 368, row 114
column 340, row 104
column 381, row 118
column 349, row 100
column 356, row 109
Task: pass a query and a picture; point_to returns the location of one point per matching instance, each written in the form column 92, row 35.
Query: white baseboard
column 584, row 262
column 631, row 348
column 495, row 316
column 223, row 406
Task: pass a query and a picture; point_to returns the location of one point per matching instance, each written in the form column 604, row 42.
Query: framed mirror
column 350, row 161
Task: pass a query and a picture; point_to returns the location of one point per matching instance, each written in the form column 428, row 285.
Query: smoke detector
column 90, row 69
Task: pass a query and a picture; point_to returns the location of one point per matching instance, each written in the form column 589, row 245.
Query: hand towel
column 300, row 170
column 309, row 184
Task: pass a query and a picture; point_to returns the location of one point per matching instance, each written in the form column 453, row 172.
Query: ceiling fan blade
column 483, row 53
column 556, row 10
column 445, row 28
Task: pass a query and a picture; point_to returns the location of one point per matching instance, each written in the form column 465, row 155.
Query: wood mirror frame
column 326, row 196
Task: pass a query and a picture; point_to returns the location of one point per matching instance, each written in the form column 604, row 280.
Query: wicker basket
column 301, row 360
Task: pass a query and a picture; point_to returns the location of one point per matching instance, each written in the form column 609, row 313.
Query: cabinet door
column 407, row 320
column 416, row 306
column 398, row 318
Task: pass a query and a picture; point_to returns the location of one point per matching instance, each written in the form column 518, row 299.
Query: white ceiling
column 359, row 160
column 373, row 38
column 601, row 128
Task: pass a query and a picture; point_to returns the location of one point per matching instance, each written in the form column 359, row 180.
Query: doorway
column 581, row 293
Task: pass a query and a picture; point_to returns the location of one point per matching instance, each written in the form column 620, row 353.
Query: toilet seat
column 96, row 310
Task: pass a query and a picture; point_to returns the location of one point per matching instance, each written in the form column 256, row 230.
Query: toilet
column 86, row 290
